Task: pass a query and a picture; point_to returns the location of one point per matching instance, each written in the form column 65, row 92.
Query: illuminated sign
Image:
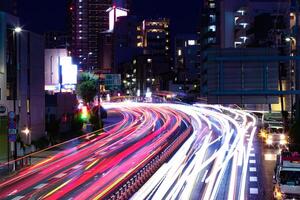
column 114, row 13
column 68, row 71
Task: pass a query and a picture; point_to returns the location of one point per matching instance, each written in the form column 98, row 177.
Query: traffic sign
column 12, row 137
column 12, row 131
column 11, row 115
column 2, row 109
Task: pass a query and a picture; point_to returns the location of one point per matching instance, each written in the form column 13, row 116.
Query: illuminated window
column 212, row 28
column 191, row 42
column 235, row 19
column 179, row 52
column 237, row 44
column 212, row 18
column 212, row 5
column 28, row 105
column 211, row 40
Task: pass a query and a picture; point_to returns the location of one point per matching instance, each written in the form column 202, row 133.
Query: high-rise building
column 243, row 24
column 55, row 39
column 126, row 40
column 156, row 36
column 88, row 19
column 186, row 58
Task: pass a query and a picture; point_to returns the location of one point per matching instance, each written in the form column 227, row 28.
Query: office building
column 126, row 40
column 244, row 24
column 88, row 20
column 57, row 40
column 155, row 36
column 186, row 59
column 21, row 82
column 60, row 72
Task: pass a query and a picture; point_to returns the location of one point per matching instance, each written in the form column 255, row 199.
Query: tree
column 87, row 86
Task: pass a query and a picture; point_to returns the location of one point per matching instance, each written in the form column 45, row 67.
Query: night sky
column 50, row 15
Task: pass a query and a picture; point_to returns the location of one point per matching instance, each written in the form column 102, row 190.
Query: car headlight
column 270, row 137
column 279, row 195
column 283, row 142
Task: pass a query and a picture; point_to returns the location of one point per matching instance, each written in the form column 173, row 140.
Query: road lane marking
column 252, row 161
column 253, row 191
column 40, row 186
column 251, row 155
column 13, row 192
column 204, row 176
column 60, row 175
column 270, row 157
column 18, row 198
column 252, row 149
column 90, row 159
column 253, row 179
column 77, row 167
column 252, row 169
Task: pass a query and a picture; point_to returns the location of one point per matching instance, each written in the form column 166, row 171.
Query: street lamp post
column 12, row 145
column 26, row 131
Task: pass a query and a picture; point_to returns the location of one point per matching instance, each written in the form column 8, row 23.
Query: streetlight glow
column 18, row 29
column 26, row 131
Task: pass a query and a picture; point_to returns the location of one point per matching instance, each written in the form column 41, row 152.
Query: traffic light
column 84, row 115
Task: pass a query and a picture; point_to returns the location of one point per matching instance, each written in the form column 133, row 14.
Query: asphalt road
column 92, row 169
column 220, row 160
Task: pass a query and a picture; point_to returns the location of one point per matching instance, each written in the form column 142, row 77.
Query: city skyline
column 51, row 15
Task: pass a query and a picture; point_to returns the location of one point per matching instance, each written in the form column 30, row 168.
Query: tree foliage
column 87, row 86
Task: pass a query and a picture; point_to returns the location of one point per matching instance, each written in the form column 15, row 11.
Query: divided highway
column 156, row 151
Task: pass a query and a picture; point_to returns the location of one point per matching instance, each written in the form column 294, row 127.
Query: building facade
column 88, row 20
column 21, row 82
column 245, row 24
column 186, row 59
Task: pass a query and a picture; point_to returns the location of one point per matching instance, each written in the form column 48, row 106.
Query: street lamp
column 18, row 29
column 26, row 131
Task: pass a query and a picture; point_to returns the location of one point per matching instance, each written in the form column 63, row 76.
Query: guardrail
column 136, row 180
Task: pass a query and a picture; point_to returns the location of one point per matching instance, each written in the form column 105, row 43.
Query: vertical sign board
column 12, row 130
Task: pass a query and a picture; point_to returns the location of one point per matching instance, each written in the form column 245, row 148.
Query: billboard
column 68, row 71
